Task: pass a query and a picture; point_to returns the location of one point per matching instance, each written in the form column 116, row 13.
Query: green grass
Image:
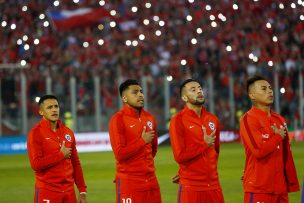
column 17, row 179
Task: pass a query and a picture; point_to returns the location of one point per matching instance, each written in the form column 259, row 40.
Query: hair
column 45, row 97
column 123, row 86
column 252, row 80
column 181, row 87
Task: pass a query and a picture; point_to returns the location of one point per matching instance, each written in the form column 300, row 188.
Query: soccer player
column 53, row 157
column 134, row 142
column 269, row 169
column 194, row 134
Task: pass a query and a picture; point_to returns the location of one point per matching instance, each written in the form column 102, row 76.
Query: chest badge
column 68, row 137
column 150, row 125
column 211, row 125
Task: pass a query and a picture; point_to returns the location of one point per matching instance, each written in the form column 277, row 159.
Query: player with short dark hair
column 269, row 169
column 54, row 158
column 134, row 142
column 194, row 135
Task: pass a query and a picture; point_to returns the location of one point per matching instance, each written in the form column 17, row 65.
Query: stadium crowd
column 153, row 38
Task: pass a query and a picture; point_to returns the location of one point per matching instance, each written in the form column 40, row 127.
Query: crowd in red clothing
column 200, row 39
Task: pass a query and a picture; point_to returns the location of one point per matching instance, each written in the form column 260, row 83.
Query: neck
column 264, row 108
column 196, row 108
column 136, row 109
column 53, row 125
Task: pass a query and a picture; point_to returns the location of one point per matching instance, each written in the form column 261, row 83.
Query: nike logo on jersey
column 47, row 138
column 191, row 126
column 131, row 126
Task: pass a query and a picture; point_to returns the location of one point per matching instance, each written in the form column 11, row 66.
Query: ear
column 184, row 98
column 124, row 99
column 251, row 96
column 40, row 113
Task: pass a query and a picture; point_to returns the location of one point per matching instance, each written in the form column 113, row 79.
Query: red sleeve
column 78, row 174
column 250, row 132
column 183, row 153
column 121, row 149
column 154, row 141
column 39, row 160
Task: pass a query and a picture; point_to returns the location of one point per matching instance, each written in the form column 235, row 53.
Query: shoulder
column 278, row 116
column 117, row 116
column 212, row 117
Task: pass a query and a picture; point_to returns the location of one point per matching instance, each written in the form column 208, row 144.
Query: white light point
column 37, row 99
column 251, row 56
column 134, row 9
column 25, row 38
column 102, row 3
column 19, row 41
column 189, row 17
column 293, row 5
column 212, row 17
column 76, row 1
column 41, row 16
column 26, row 47
column 270, row 63
column 85, row 44
column 141, row 37
column 161, row 23
column 36, row 41
column 155, row 18
column 208, row 7
column 300, row 2
column 275, row 38
column 134, row 43
column 158, row 33
column 146, row 22
column 24, row 8
column 169, row 78
column 199, row 30
column 228, row 48
column 255, row 59
column 148, row 5
column 282, row 90
column 112, row 24
column 302, row 17
column 191, row 1
column 183, row 62
column 56, row 3
column 213, row 24
column 13, row 26
column 100, row 42
column 128, row 42
column 194, row 41
column 23, row 62
column 268, row 25
column 235, row 7
column 46, row 24
column 281, row 6
column 113, row 12
column 4, row 23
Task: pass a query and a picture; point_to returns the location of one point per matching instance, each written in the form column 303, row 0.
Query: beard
column 197, row 102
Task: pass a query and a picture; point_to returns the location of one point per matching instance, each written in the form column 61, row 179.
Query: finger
column 204, row 130
column 144, row 130
column 63, row 143
column 213, row 133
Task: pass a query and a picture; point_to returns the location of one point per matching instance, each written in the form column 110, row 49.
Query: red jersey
column 269, row 164
column 134, row 158
column 197, row 162
column 54, row 172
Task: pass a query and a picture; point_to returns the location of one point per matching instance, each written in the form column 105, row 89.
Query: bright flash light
column 141, row 37
column 25, row 37
column 212, row 17
column 36, row 41
column 302, row 17
column 112, row 24
column 282, row 90
column 24, row 8
column 135, row 43
column 189, row 17
column 208, row 7
column 251, row 56
column 199, row 30
column 19, row 41
column 228, row 48
column 76, row 1
column 41, row 16
column 102, row 3
column 275, row 38
column 161, row 23
column 213, row 24
column 255, row 59
column 100, row 42
column 23, row 62
column 128, row 42
column 281, row 6
column 134, row 9
column 46, row 23
column 37, row 99
column 155, row 18
column 270, row 63
column 4, row 23
column 158, row 33
column 194, row 41
column 113, row 12
column 13, row 26
column 100, row 27
column 146, row 22
column 148, row 5
column 169, row 78
column 56, row 3
column 300, row 2
column 293, row 5
column 235, row 7
column 26, row 47
column 85, row 44
column 183, row 62
column 268, row 25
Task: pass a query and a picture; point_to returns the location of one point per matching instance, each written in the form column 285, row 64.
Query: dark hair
column 45, row 97
column 186, row 82
column 123, row 86
column 252, row 80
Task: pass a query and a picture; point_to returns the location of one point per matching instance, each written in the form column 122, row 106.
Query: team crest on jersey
column 68, row 137
column 211, row 125
column 150, row 125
